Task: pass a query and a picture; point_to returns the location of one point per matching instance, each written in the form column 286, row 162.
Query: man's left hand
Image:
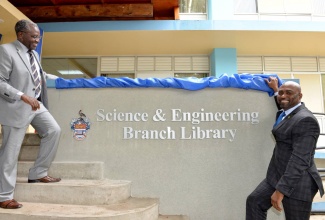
column 272, row 82
column 276, row 200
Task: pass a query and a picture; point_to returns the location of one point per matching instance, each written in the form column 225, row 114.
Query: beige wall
column 10, row 15
column 312, row 91
column 267, row 43
column 120, row 43
column 311, row 87
column 114, row 43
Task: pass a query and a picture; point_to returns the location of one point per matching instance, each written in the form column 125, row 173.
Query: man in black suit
column 292, row 179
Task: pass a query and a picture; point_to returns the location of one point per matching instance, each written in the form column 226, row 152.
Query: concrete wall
column 203, row 178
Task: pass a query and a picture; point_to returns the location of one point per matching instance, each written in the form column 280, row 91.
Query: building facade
column 282, row 37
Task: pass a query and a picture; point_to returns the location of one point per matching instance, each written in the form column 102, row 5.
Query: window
column 193, row 9
column 192, row 6
column 196, row 75
column 155, row 66
column 245, row 6
column 191, row 66
column 318, row 7
column 291, row 10
column 71, row 67
column 118, row 75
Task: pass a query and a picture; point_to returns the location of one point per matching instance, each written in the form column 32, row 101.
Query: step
column 29, row 139
column 133, row 208
column 28, row 152
column 30, row 147
column 67, row 170
column 78, row 192
column 173, row 217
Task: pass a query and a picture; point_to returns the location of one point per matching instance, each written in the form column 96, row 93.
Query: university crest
column 80, row 126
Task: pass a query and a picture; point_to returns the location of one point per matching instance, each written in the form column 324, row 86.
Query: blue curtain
column 241, row 81
column 40, row 44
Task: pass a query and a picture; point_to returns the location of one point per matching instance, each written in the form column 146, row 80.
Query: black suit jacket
column 292, row 170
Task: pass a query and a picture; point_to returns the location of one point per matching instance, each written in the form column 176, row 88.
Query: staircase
column 83, row 193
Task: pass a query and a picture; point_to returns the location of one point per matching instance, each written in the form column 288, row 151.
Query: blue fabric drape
column 241, row 81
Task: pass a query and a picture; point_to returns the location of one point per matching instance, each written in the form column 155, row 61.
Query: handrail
column 319, row 209
column 318, row 113
column 321, row 121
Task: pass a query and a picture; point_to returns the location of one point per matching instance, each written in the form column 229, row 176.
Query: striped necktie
column 281, row 116
column 35, row 74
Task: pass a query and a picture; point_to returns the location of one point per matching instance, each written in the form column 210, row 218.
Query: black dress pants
column 259, row 202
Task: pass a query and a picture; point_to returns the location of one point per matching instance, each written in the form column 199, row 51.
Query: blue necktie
column 281, row 116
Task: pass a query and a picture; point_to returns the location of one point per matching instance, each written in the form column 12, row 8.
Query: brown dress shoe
column 45, row 179
column 10, row 204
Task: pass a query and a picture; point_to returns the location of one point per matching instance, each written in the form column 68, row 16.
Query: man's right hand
column 272, row 82
column 31, row 101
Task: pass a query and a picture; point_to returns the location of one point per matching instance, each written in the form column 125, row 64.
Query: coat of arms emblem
column 80, row 126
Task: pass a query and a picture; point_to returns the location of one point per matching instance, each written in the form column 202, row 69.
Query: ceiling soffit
column 97, row 10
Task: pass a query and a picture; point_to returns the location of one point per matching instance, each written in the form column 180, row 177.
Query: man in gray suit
column 23, row 101
column 292, row 179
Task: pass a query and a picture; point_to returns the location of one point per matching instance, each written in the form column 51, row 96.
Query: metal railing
column 321, row 120
column 319, row 208
column 321, row 146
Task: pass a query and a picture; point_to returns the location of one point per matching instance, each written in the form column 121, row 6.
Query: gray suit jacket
column 292, row 170
column 16, row 76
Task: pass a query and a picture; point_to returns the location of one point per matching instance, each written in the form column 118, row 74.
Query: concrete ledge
column 317, row 217
column 136, row 209
column 78, row 192
column 30, row 139
column 67, row 170
column 173, row 217
column 320, row 163
column 28, row 153
column 169, row 167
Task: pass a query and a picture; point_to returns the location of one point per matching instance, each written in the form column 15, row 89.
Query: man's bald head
column 289, row 95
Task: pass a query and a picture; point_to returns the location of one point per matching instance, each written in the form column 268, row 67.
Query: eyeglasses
column 36, row 37
column 33, row 36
